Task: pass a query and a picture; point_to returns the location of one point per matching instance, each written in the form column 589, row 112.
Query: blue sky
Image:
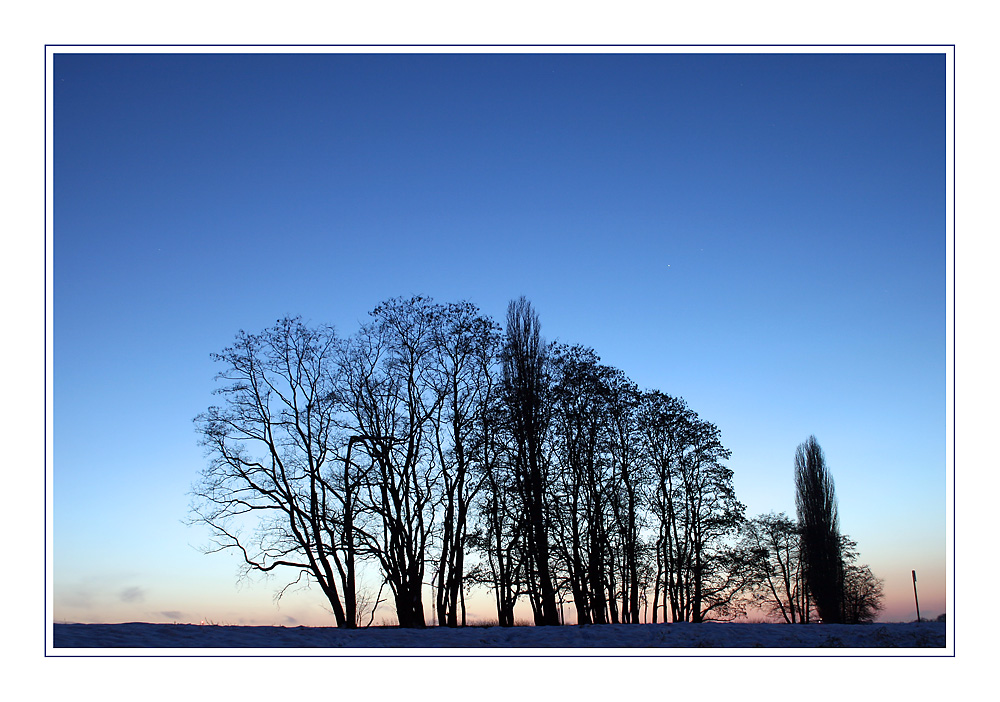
column 763, row 235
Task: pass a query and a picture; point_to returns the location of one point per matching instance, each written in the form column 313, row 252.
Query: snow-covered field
column 491, row 640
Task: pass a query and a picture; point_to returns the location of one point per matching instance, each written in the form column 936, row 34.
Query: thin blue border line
column 45, row 351
column 624, row 46
column 954, row 137
column 954, row 342
column 501, row 655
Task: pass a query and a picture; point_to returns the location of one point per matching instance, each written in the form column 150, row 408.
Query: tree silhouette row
column 451, row 453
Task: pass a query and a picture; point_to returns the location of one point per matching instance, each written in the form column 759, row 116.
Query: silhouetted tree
column 268, row 492
column 629, row 479
column 774, row 541
column 862, row 590
column 499, row 534
column 720, row 571
column 695, row 507
column 465, row 346
column 390, row 396
column 525, row 383
column 816, row 507
column 579, row 420
column 862, row 595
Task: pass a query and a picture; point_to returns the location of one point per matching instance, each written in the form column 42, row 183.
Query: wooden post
column 915, row 593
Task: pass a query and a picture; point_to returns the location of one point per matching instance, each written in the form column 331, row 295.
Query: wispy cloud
column 173, row 614
column 132, row 594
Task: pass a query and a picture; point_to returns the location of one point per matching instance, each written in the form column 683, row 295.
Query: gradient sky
column 764, row 235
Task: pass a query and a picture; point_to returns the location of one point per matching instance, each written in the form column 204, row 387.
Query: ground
column 618, row 638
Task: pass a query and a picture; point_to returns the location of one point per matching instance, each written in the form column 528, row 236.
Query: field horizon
column 728, row 635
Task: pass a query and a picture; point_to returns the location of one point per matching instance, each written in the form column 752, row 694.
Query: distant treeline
column 450, row 452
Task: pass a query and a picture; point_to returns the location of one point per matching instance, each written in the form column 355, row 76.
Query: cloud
column 132, row 594
column 291, row 620
column 173, row 614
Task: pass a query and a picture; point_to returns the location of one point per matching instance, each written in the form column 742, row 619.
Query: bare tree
column 629, row 480
column 500, row 536
column 266, row 492
column 465, row 347
column 580, row 397
column 696, row 510
column 390, row 396
column 862, row 595
column 862, row 589
column 774, row 540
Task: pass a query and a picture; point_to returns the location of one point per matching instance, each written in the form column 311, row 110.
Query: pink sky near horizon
column 252, row 604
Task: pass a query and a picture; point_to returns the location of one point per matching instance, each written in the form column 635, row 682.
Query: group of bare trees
column 806, row 569
column 599, row 498
column 447, row 453
column 326, row 452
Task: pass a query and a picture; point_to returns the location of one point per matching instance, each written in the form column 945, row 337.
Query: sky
column 764, row 235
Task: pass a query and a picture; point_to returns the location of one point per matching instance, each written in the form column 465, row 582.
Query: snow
column 923, row 638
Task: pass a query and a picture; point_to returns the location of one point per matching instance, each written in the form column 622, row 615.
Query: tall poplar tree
column 816, row 506
column 525, row 382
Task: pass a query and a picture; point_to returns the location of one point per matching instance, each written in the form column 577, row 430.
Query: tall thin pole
column 915, row 593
